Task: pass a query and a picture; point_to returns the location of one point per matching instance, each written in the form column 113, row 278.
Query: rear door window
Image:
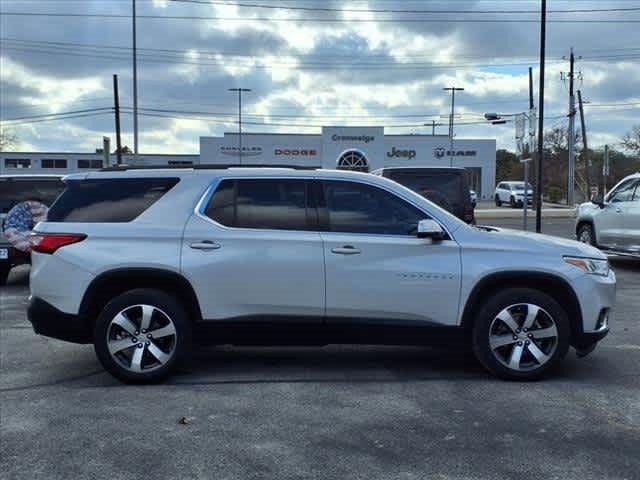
column 277, row 204
column 108, row 200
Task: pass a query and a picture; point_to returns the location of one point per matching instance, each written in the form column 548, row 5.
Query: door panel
column 254, row 272
column 631, row 221
column 392, row 278
column 609, row 225
column 610, row 222
column 376, row 267
column 251, row 251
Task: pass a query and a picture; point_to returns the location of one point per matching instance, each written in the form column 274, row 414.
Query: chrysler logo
column 246, row 151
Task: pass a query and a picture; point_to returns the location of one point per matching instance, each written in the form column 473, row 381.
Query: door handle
column 205, row 245
column 346, row 250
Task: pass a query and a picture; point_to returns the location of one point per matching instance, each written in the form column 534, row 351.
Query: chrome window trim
column 203, row 202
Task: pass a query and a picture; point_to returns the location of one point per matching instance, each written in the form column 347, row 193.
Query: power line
column 393, row 10
column 58, row 114
column 318, row 20
column 29, row 122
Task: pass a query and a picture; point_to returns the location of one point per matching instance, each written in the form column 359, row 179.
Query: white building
column 360, row 148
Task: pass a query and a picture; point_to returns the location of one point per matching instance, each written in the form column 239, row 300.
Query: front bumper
column 597, row 300
column 51, row 322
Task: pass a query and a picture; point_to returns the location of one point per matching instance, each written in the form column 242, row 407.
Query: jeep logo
column 401, row 153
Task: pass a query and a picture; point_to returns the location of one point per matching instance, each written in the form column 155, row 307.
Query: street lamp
column 499, row 119
column 453, row 91
column 240, row 90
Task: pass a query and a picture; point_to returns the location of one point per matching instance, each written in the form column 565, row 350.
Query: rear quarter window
column 111, row 200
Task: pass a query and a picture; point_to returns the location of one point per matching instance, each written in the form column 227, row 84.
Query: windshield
column 442, row 188
column 519, row 185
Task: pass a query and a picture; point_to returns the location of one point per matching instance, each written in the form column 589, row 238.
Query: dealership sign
column 443, row 152
column 295, row 152
column 401, row 153
column 246, row 151
column 353, row 138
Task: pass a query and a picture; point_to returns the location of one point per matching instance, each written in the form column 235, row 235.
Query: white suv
column 513, row 194
column 142, row 263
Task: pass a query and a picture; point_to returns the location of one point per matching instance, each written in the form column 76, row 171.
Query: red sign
column 295, row 152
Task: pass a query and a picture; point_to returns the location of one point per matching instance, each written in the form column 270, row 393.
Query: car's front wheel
column 585, row 234
column 521, row 334
column 142, row 335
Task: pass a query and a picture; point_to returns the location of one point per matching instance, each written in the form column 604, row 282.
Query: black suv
column 13, row 190
column 447, row 187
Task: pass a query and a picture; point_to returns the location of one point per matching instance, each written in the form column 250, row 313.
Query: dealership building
column 354, row 148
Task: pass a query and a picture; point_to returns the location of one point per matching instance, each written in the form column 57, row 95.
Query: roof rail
column 124, row 168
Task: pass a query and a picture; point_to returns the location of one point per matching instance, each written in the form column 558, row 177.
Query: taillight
column 50, row 242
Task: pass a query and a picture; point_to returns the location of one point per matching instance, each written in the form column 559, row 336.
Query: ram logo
column 439, row 152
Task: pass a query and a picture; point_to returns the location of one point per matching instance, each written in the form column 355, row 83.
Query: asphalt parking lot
column 330, row 413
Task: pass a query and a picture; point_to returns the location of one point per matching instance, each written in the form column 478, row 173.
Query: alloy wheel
column 523, row 337
column 585, row 235
column 141, row 338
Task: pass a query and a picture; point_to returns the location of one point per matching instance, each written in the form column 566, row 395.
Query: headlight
column 590, row 265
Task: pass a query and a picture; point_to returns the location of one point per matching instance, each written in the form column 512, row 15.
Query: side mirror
column 598, row 200
column 430, row 229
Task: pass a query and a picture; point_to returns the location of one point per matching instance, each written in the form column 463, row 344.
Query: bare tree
column 8, row 140
column 631, row 140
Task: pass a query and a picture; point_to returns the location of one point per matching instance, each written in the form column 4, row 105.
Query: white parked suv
column 142, row 263
column 512, row 193
column 612, row 223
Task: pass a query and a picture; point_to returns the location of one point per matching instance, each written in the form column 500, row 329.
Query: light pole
column 240, row 90
column 453, row 91
column 499, row 119
column 135, row 83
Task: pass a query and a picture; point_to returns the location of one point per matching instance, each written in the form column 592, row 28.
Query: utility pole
column 116, row 103
column 572, row 132
column 543, row 39
column 605, row 170
column 240, row 90
column 453, row 91
column 135, row 84
column 433, row 126
column 527, row 161
column 585, row 149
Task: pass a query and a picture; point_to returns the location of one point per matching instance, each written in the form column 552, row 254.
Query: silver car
column 613, row 222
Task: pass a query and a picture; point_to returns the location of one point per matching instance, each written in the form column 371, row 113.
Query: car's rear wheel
column 512, row 202
column 498, row 201
column 142, row 335
column 521, row 334
column 585, row 234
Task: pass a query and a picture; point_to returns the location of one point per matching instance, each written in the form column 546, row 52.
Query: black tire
column 179, row 344
column 585, row 234
column 4, row 274
column 498, row 303
column 512, row 202
column 498, row 201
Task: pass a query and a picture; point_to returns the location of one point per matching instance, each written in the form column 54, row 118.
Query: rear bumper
column 51, row 322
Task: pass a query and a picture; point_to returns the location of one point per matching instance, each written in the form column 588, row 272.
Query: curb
column 517, row 213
